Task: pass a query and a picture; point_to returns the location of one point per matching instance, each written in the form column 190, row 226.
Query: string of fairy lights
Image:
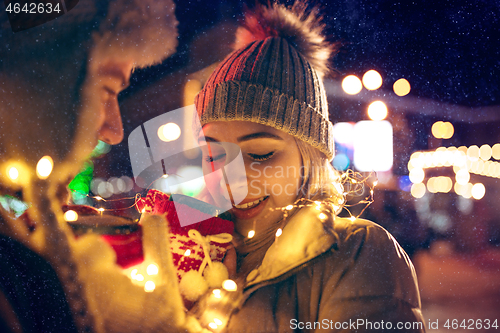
column 354, row 181
column 147, row 274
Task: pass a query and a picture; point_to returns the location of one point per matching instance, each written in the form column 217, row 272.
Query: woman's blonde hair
column 320, row 181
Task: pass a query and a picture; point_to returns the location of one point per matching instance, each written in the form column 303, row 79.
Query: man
column 59, row 83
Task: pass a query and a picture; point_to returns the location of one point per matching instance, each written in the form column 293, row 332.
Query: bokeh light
column 473, row 153
column 442, row 130
column 149, row 286
column 495, row 151
column 229, row 285
column 152, row 269
column 485, row 152
column 372, row 80
column 377, row 110
column 169, row 132
column 373, row 146
column 352, row 85
column 70, row 216
column 462, row 177
column 343, row 132
column 417, row 175
column 44, row 167
column 418, row 190
column 13, row 173
column 341, row 162
column 401, row 87
column 478, row 191
column 439, row 184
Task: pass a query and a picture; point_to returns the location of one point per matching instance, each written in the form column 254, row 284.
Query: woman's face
column 272, row 171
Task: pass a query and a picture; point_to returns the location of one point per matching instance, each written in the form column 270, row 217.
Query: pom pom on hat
column 301, row 27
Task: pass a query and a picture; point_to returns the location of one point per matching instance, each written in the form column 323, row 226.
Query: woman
column 299, row 267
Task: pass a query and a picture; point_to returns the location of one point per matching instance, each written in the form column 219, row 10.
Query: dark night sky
column 448, row 50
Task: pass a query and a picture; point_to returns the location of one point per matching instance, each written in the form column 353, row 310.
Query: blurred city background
column 415, row 96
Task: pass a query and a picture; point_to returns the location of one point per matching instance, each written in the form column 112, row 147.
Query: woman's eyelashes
column 255, row 157
column 261, row 158
column 211, row 159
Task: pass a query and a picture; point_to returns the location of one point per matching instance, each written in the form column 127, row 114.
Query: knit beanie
column 275, row 79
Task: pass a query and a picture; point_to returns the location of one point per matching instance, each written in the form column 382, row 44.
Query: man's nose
column 111, row 130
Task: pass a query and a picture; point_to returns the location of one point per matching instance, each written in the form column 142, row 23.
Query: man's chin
column 63, row 193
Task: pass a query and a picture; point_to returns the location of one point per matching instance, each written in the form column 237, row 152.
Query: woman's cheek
column 256, row 180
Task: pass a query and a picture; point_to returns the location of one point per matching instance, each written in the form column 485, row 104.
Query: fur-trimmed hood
column 145, row 29
column 43, row 71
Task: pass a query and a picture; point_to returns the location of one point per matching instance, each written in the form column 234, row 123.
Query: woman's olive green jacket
column 329, row 274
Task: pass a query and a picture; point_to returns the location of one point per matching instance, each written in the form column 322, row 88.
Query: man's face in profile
column 99, row 117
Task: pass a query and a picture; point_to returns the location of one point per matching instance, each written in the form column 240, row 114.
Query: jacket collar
column 308, row 233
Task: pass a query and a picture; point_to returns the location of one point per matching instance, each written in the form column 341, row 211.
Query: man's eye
column 261, row 157
column 110, row 91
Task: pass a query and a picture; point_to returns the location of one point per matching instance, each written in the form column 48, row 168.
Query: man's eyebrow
column 116, row 73
column 259, row 135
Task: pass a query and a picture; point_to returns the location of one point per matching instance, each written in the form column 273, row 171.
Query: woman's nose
column 111, row 130
column 237, row 185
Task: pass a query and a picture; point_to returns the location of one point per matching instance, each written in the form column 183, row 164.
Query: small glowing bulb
column 187, row 253
column 251, row 233
column 322, row 216
column 217, row 321
column 98, row 198
column 375, row 183
column 317, row 202
column 229, row 285
column 149, row 286
column 164, row 176
column 143, row 210
column 139, row 277
column 152, row 269
column 44, row 167
column 133, row 273
column 279, row 232
column 213, row 326
column 70, row 216
column 13, row 173
column 216, row 293
column 289, row 207
column 352, row 218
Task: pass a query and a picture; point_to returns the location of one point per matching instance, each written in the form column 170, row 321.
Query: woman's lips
column 242, row 211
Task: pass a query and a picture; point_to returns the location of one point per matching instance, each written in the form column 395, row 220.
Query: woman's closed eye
column 260, row 158
column 211, row 159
